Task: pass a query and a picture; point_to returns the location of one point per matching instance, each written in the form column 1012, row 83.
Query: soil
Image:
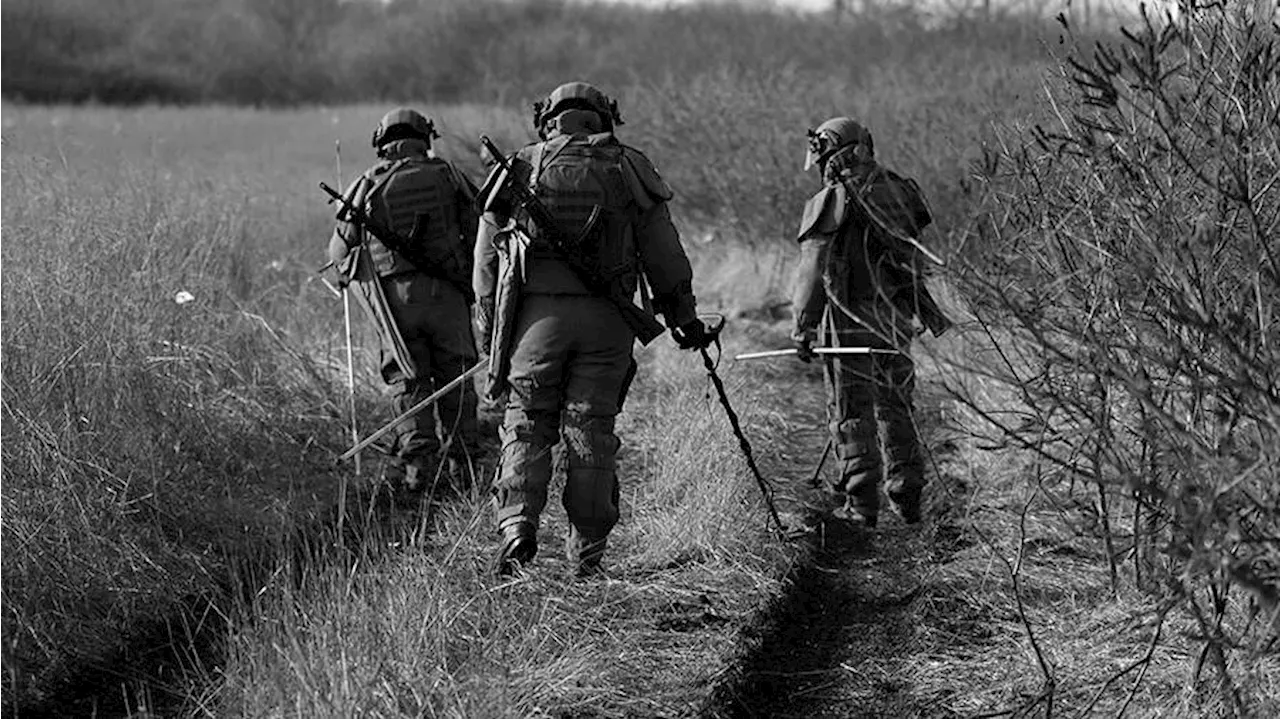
column 839, row 636
column 837, row 642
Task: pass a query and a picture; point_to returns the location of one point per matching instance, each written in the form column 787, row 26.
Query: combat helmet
column 835, row 135
column 576, row 95
column 403, row 123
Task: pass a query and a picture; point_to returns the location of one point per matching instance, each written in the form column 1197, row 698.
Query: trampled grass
column 152, row 446
column 422, row 630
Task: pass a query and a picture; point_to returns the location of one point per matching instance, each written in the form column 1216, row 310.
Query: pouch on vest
column 418, row 202
column 574, row 177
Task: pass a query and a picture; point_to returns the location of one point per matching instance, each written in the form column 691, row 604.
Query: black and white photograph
column 640, row 359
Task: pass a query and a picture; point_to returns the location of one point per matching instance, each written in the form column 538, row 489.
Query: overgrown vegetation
column 1117, row 383
column 422, row 630
column 284, row 52
column 1127, row 294
column 741, row 82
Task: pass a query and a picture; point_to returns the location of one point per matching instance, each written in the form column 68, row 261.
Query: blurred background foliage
column 282, row 52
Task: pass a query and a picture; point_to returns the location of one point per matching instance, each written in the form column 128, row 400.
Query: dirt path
column 848, row 622
column 837, row 643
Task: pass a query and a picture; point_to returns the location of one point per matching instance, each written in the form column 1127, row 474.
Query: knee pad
column 529, row 394
column 535, row 427
column 590, row 440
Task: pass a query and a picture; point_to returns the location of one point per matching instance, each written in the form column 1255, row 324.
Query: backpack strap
column 539, row 152
column 541, row 158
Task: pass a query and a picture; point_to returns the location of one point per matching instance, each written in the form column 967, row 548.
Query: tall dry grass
column 148, row 443
column 423, row 630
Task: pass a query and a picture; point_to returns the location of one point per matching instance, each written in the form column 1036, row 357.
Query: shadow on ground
column 847, row 620
column 838, row 642
column 154, row 675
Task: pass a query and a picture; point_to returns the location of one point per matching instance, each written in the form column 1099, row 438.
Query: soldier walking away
column 572, row 226
column 413, row 277
column 859, row 283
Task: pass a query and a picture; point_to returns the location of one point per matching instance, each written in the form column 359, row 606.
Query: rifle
column 930, row 314
column 643, row 324
column 922, row 303
column 397, row 243
column 374, row 299
column 918, row 300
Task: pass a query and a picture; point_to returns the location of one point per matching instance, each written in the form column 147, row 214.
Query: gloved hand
column 692, row 335
column 804, row 339
column 804, row 349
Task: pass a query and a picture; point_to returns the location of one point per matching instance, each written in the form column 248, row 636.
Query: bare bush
column 1128, row 283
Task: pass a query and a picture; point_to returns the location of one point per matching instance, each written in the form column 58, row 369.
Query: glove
column 804, row 349
column 692, row 335
column 804, row 344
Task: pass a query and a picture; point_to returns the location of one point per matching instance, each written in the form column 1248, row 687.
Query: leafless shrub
column 1127, row 278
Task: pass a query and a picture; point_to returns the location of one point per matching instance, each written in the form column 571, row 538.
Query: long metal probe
column 816, row 350
column 765, row 488
column 435, row 397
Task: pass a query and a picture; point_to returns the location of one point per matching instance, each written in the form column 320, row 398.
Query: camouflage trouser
column 869, row 410
column 435, row 322
column 570, row 362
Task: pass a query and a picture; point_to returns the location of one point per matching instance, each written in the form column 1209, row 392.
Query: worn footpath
column 857, row 608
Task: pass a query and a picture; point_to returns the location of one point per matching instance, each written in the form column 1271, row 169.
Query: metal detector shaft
column 742, row 438
column 816, row 350
column 435, row 397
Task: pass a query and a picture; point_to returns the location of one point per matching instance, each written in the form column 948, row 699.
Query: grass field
column 168, row 475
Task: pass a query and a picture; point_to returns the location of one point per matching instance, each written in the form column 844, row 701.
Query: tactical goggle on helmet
column 833, row 135
column 402, row 123
column 579, row 95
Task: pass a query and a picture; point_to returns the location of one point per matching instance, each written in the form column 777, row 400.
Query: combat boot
column 584, row 553
column 906, row 506
column 420, row 474
column 518, row 547
column 852, row 514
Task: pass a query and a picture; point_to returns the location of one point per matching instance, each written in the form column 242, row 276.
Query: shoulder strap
column 542, row 158
column 386, row 176
column 539, row 151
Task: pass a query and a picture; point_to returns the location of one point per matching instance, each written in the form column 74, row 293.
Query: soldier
column 858, row 285
column 563, row 350
column 416, row 286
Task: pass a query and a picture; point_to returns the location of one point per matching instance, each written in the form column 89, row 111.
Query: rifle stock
column 644, row 325
column 930, row 314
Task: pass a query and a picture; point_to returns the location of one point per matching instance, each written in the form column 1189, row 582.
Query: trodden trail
column 855, row 611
